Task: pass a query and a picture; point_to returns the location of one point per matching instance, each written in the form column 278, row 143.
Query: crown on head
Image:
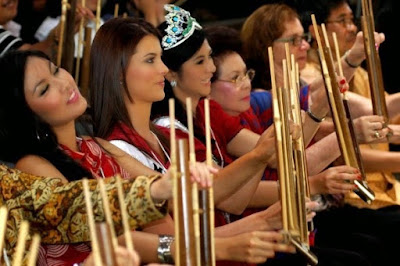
column 180, row 26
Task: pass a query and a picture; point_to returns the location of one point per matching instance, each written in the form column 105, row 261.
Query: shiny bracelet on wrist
column 164, row 249
column 314, row 117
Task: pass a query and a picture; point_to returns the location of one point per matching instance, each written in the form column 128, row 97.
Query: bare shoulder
column 37, row 165
column 111, row 148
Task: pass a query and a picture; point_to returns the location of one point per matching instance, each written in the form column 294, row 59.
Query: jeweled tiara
column 180, row 26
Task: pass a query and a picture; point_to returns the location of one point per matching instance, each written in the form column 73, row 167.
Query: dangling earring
column 173, row 83
column 40, row 138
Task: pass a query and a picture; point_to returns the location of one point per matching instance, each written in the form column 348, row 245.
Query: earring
column 173, row 83
column 39, row 138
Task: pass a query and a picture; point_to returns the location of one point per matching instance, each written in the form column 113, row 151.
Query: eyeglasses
column 241, row 78
column 345, row 22
column 296, row 40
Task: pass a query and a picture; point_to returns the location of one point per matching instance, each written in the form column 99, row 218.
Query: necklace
column 164, row 151
column 165, row 122
column 219, row 150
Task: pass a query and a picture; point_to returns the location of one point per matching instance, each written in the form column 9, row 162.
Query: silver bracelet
column 164, row 249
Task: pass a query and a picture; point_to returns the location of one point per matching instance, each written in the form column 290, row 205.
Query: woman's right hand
column 334, row 180
column 369, row 129
column 251, row 247
column 200, row 173
column 265, row 147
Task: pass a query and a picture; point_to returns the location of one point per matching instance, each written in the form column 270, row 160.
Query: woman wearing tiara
column 127, row 77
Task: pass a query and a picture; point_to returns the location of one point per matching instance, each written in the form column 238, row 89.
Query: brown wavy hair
column 259, row 31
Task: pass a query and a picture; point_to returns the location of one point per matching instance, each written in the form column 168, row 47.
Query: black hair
column 320, row 8
column 174, row 58
column 223, row 40
column 22, row 132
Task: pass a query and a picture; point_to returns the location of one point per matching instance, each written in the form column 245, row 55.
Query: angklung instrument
column 292, row 173
column 343, row 122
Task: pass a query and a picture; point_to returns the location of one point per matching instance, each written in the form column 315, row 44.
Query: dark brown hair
column 112, row 48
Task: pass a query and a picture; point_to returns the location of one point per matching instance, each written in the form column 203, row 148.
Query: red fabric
column 94, row 159
column 224, row 126
column 125, row 133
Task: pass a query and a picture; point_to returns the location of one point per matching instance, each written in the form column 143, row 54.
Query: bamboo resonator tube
column 374, row 67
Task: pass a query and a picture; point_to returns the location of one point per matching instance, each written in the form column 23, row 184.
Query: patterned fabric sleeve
column 57, row 211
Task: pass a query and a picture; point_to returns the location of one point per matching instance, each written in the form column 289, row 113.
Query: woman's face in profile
column 51, row 92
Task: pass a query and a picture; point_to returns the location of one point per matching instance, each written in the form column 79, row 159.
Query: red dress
column 93, row 158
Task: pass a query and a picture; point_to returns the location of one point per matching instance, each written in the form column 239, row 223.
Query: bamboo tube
column 92, row 227
column 106, row 246
column 64, row 7
column 79, row 48
column 3, row 226
column 124, row 216
column 184, row 216
column 284, row 103
column 195, row 191
column 374, row 67
column 107, row 211
column 20, row 249
column 98, row 14
column 34, row 250
column 337, row 53
column 84, row 81
column 175, row 177
column 67, row 61
column 211, row 221
column 278, row 136
column 116, row 9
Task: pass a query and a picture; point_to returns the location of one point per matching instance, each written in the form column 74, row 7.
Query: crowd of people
column 151, row 51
